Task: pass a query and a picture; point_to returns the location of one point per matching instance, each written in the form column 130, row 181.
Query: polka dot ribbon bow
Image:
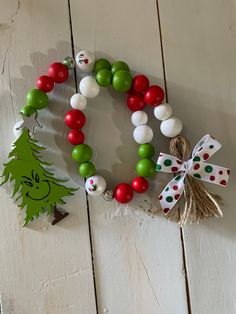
column 196, row 167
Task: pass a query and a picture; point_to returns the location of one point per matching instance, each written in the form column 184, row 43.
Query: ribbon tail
column 211, row 173
column 172, row 193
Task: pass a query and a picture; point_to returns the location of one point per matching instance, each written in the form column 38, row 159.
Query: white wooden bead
column 171, row 127
column 143, row 134
column 89, row 87
column 85, row 61
column 95, row 185
column 16, row 132
column 139, row 117
column 78, row 101
column 163, row 111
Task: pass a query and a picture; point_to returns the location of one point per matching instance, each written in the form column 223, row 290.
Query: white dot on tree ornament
column 78, row 101
column 85, row 61
column 17, row 132
column 143, row 134
column 163, row 111
column 95, row 185
column 89, row 87
column 139, row 117
column 171, row 127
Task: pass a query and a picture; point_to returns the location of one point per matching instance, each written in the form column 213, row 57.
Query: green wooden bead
column 87, row 169
column 82, row 153
column 122, row 81
column 28, row 111
column 104, row 77
column 146, row 151
column 37, row 99
column 119, row 65
column 146, row 168
column 102, row 64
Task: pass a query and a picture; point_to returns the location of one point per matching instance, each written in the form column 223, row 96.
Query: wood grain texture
column 199, row 48
column 43, row 269
column 138, row 258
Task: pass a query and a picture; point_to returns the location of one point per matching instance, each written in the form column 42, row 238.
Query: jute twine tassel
column 198, row 202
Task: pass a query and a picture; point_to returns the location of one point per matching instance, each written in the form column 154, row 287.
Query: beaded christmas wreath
column 41, row 192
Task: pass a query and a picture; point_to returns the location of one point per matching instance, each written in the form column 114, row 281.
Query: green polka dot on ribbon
column 169, row 199
column 178, row 178
column 196, row 158
column 167, row 162
column 208, row 169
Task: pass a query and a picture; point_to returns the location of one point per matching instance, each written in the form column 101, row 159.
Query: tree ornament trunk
column 58, row 215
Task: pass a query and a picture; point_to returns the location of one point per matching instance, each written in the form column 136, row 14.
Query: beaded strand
column 140, row 94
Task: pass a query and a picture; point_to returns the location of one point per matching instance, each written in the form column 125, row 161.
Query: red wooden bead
column 135, row 101
column 140, row 83
column 154, row 95
column 75, row 119
column 45, row 83
column 140, row 184
column 123, row 193
column 58, row 72
column 76, row 137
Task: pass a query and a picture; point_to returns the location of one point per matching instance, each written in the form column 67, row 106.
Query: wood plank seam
column 185, row 270
column 87, row 201
column 181, row 230
column 162, row 50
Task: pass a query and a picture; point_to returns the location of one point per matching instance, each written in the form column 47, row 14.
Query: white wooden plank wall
column 106, row 258
column 199, row 47
column 42, row 269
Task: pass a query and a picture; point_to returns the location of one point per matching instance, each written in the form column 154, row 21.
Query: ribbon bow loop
column 196, row 167
column 205, row 148
column 169, row 163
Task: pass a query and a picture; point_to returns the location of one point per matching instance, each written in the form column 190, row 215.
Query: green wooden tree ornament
column 36, row 187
